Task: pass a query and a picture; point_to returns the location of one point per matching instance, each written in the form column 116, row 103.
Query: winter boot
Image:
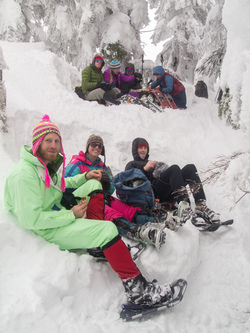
column 177, row 217
column 151, row 233
column 141, row 292
column 205, row 217
column 110, row 98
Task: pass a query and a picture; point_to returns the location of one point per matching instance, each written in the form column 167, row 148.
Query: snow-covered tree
column 235, row 68
column 75, row 29
column 180, row 24
column 213, row 47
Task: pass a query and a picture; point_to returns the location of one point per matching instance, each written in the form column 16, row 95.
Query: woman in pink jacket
column 130, row 221
column 113, row 76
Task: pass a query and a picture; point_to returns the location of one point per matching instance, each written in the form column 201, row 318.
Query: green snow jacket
column 25, row 197
column 90, row 78
column 25, row 194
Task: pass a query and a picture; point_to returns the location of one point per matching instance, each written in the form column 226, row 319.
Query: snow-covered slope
column 44, row 289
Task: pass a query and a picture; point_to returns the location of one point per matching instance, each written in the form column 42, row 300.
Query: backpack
column 134, row 188
column 201, row 89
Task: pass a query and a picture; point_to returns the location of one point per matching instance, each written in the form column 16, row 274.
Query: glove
column 104, row 85
column 138, row 76
column 105, row 181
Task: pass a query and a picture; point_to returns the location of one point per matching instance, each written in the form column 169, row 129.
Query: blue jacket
column 168, row 83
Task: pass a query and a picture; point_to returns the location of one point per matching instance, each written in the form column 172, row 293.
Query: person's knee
column 175, row 168
column 94, row 184
column 191, row 167
column 110, row 231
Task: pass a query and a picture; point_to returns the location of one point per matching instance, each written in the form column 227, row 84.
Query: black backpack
column 201, row 89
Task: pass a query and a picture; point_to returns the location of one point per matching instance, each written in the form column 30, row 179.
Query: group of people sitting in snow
column 112, row 84
column 35, row 190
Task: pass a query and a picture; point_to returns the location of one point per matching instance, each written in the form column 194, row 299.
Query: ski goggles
column 129, row 69
column 99, row 60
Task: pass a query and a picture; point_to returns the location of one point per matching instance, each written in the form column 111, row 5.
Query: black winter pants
column 175, row 178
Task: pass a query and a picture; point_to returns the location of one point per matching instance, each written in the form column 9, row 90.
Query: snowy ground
column 44, row 289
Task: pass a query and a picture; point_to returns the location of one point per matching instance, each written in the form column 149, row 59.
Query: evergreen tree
column 180, row 24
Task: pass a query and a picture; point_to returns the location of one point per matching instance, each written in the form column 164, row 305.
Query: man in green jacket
column 94, row 87
column 33, row 193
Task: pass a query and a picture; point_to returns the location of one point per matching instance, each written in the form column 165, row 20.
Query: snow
column 44, row 289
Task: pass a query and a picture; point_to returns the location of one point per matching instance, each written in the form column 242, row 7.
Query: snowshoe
column 175, row 294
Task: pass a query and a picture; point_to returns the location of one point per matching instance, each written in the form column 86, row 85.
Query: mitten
column 105, row 181
column 138, row 76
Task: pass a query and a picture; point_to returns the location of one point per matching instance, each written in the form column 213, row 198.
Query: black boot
column 111, row 98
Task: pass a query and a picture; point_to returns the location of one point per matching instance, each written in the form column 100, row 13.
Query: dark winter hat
column 115, row 64
column 130, row 67
column 44, row 127
column 93, row 138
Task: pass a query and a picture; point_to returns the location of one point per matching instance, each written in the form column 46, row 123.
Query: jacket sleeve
column 71, row 170
column 154, row 84
column 87, row 85
column 25, row 196
column 126, row 78
column 169, row 82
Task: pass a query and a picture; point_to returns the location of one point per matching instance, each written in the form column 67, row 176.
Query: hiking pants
column 175, row 178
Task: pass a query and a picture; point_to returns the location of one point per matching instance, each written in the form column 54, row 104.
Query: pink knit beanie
column 44, row 127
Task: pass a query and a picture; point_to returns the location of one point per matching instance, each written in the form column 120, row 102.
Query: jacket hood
column 158, row 70
column 135, row 149
column 93, row 61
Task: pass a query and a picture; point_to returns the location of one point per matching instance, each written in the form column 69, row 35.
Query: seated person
column 170, row 85
column 93, row 86
column 131, row 221
column 113, row 76
column 33, row 193
column 170, row 184
column 134, row 84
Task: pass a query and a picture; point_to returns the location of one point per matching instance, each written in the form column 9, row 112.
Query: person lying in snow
column 169, row 85
column 131, row 221
column 169, row 182
column 33, row 193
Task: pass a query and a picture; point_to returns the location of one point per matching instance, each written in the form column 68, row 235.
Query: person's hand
column 79, row 210
column 149, row 88
column 104, row 86
column 94, row 174
column 150, row 166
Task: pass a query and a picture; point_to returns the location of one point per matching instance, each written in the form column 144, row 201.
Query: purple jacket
column 120, row 77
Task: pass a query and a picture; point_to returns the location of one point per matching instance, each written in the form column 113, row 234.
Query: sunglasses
column 97, row 60
column 95, row 144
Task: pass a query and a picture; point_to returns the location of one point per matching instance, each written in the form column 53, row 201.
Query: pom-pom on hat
column 115, row 64
column 44, row 127
column 97, row 139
